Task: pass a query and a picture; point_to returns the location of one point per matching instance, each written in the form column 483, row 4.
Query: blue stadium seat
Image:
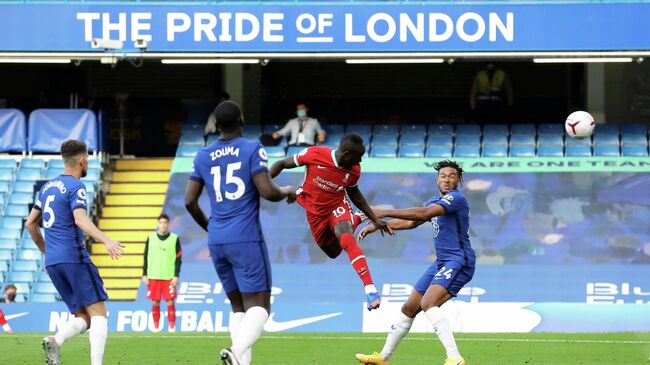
column 26, row 235
column 270, row 128
column 16, row 210
column 384, row 140
column 412, row 151
column 634, row 128
column 191, row 139
column 4, row 186
column 440, row 140
column 275, row 151
column 24, row 265
column 522, row 139
column 578, row 142
column 390, row 129
column 29, row 254
column 90, row 188
column 211, row 139
column 52, row 172
column 445, row 129
column 2, row 200
column 187, row 151
column 334, row 128
column 12, row 222
column 605, row 150
column 495, row 151
column 332, row 145
column 412, row 140
column 333, row 138
column 604, row 138
column 32, row 163
column 93, row 175
column 522, row 150
column 57, row 163
column 551, row 150
column 498, row 129
column 634, row 138
column 21, row 277
column 415, row 129
column 94, row 164
column 360, row 129
column 21, row 186
column 523, row 129
column 43, row 277
column 548, row 139
column 550, row 128
column 27, row 173
column 634, row 150
column 255, row 129
column 495, row 139
column 6, row 255
column 4, row 268
column 468, row 129
column 9, row 233
column 251, row 135
column 468, row 139
column 467, row 151
column 21, row 198
column 8, row 244
column 44, row 288
column 607, row 129
column 6, row 174
column 578, row 151
column 293, row 150
column 27, row 243
column 9, row 163
column 383, row 151
column 43, row 298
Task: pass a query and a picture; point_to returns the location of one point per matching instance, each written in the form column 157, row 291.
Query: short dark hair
column 349, row 140
column 71, row 149
column 449, row 163
column 163, row 216
column 228, row 116
column 10, row 286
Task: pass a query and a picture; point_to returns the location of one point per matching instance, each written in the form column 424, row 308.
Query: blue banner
column 49, row 128
column 329, row 28
column 13, row 130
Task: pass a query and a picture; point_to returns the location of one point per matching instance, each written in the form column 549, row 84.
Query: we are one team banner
column 333, row 27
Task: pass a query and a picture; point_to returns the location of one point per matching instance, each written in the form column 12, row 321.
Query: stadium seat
column 634, row 150
column 495, row 129
column 6, row 255
column 332, row 145
column 10, row 233
column 495, row 139
column 412, row 140
column 444, row 129
column 551, row 128
column 93, row 175
column 578, row 142
column 94, row 164
column 270, row 128
column 522, row 150
column 550, row 150
column 43, row 298
column 26, row 235
column 4, row 187
column 8, row 244
column 27, row 173
column 44, row 288
column 413, row 129
column 604, row 138
column 32, row 163
column 333, row 138
column 605, row 150
column 389, row 140
column 390, row 129
column 440, row 140
column 468, row 139
column 8, row 163
column 6, row 174
column 412, row 151
column 252, row 128
column 26, row 243
column 578, row 151
column 383, row 151
column 21, row 277
column 294, row 150
column 29, row 254
column 275, row 151
column 187, row 151
column 360, row 129
column 522, row 139
column 634, row 138
column 607, row 129
column 2, row 200
column 57, row 163
column 52, row 172
column 523, row 129
column 468, row 129
column 21, row 198
column 211, row 139
column 12, row 222
column 548, row 139
column 21, row 186
column 467, row 151
column 495, row 151
column 334, row 128
column 43, row 277
column 634, row 128
column 24, row 265
column 4, row 268
column 191, row 139
column 16, row 210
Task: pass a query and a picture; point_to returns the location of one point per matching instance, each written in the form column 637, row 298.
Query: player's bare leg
column 171, row 315
column 435, row 297
column 98, row 331
column 345, row 234
column 400, row 328
column 155, row 311
column 74, row 327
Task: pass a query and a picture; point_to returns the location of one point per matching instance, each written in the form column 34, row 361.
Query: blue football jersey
column 64, row 241
column 226, row 168
column 451, row 230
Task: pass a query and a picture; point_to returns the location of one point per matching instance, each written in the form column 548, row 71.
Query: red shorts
column 322, row 226
column 161, row 290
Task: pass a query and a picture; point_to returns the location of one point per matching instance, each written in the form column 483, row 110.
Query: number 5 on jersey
column 230, row 179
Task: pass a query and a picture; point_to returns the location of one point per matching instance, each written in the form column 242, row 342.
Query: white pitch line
column 347, row 338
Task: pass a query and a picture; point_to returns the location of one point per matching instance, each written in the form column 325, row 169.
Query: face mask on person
column 11, row 297
column 301, row 113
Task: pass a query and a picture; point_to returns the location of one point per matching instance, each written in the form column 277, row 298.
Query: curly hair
column 449, row 163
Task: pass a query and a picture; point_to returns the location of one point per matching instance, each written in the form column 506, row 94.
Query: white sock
column 6, row 327
column 98, row 333
column 250, row 330
column 370, row 288
column 74, row 327
column 443, row 328
column 398, row 330
column 233, row 326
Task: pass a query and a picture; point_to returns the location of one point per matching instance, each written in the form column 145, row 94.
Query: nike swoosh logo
column 321, row 167
column 272, row 326
column 17, row 315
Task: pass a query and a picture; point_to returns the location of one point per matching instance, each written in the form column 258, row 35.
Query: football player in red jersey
column 329, row 176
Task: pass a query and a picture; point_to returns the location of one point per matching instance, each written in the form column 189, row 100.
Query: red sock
column 155, row 309
column 3, row 321
column 356, row 220
column 357, row 259
column 171, row 316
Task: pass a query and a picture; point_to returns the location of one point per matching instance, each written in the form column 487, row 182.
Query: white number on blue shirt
column 47, row 209
column 230, row 179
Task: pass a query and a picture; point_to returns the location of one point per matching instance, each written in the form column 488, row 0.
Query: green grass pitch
column 339, row 348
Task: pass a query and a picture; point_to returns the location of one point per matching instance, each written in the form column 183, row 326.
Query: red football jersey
column 324, row 187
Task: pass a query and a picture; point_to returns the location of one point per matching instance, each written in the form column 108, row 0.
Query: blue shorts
column 78, row 284
column 451, row 275
column 242, row 266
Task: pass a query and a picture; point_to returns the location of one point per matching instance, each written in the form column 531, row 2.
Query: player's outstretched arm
column 192, row 194
column 395, row 225
column 84, row 223
column 360, row 202
column 286, row 163
column 412, row 214
column 269, row 191
column 32, row 226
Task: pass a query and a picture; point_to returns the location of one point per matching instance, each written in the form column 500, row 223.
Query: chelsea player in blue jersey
column 454, row 266
column 234, row 172
column 62, row 206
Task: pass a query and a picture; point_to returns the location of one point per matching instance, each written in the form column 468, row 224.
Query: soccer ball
column 579, row 124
